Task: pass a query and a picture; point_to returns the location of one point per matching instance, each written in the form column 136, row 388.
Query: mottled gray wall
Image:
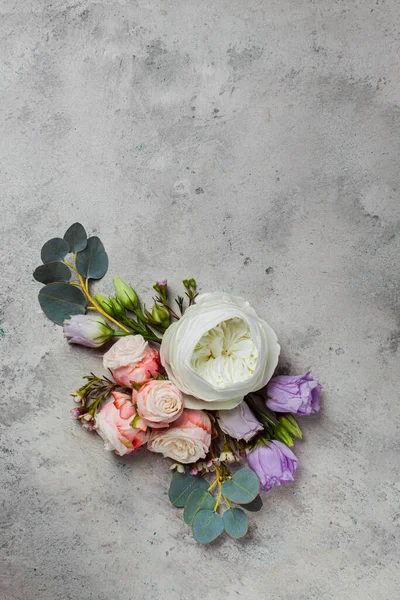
column 253, row 144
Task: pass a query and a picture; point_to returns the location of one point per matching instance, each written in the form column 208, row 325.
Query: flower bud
column 186, row 283
column 192, row 283
column 87, row 330
column 283, row 435
column 291, row 425
column 119, row 310
column 160, row 315
column 126, row 294
column 105, row 304
column 161, row 287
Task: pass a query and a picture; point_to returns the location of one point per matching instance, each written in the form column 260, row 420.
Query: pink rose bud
column 159, row 403
column 187, row 440
column 114, row 424
column 131, row 360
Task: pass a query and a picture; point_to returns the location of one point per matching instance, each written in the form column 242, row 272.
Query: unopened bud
column 291, row 425
column 160, row 315
column 126, row 294
column 119, row 310
column 192, row 283
column 105, row 304
column 186, row 283
column 283, row 435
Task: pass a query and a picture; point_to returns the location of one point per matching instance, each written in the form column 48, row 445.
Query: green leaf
column 199, row 499
column 235, row 522
column 54, row 250
column 207, row 526
column 182, row 485
column 76, row 237
column 255, row 505
column 243, row 487
column 59, row 301
column 51, row 272
column 92, row 262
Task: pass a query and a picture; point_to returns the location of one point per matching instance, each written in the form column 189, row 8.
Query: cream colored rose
column 219, row 351
column 129, row 350
column 159, row 403
column 187, row 440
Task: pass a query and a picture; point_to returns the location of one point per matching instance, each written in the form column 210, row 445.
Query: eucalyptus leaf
column 76, row 237
column 255, row 505
column 92, row 262
column 198, row 500
column 207, row 526
column 51, row 272
column 235, row 522
column 243, row 487
column 55, row 249
column 182, row 485
column 59, row 301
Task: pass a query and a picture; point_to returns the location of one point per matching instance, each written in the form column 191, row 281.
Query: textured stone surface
column 251, row 144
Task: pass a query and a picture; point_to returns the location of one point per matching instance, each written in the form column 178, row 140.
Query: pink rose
column 187, row 440
column 159, row 403
column 132, row 360
column 113, row 424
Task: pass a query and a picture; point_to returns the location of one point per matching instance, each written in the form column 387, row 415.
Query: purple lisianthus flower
column 274, row 464
column 87, row 330
column 240, row 422
column 298, row 394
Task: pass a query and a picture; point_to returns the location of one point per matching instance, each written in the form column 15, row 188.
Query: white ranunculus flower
column 219, row 351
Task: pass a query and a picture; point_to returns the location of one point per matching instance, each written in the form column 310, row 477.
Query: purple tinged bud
column 240, row 422
column 162, row 283
column 87, row 330
column 89, row 425
column 76, row 413
column 298, row 394
column 274, row 464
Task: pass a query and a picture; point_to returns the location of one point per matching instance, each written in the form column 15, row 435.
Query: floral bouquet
column 192, row 381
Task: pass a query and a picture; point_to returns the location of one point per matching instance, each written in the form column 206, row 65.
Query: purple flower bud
column 240, row 422
column 274, row 464
column 76, row 413
column 193, row 471
column 161, row 283
column 89, row 425
column 87, row 330
column 298, row 394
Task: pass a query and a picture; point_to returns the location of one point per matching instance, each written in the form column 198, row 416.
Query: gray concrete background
column 251, row 144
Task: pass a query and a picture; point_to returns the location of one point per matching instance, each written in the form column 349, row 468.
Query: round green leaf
column 76, row 237
column 92, row 262
column 198, row 500
column 182, row 485
column 54, row 250
column 207, row 526
column 59, row 301
column 255, row 505
column 235, row 522
column 243, row 487
column 51, row 272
